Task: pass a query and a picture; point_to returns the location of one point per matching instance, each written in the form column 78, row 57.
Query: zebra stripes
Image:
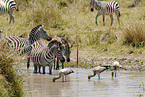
column 106, row 7
column 8, row 6
column 45, row 56
column 23, row 44
column 35, row 34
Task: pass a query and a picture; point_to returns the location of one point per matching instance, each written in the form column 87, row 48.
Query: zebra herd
column 103, row 7
column 38, row 51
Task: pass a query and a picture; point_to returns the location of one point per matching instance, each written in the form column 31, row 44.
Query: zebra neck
column 33, row 38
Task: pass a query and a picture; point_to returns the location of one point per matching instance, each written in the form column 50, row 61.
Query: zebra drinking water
column 8, row 6
column 45, row 56
column 23, row 44
column 66, row 51
column 106, row 7
column 65, row 48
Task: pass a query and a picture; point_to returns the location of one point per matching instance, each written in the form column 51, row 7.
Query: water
column 126, row 84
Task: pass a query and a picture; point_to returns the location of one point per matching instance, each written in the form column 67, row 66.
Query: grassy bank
column 10, row 78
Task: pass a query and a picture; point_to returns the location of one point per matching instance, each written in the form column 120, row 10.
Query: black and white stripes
column 23, row 44
column 7, row 6
column 45, row 56
column 106, row 7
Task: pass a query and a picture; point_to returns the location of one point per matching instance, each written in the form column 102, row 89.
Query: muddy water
column 126, row 84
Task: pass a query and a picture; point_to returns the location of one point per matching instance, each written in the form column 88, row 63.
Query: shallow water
column 126, row 84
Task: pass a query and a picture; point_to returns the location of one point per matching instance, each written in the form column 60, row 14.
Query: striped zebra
column 66, row 51
column 8, row 6
column 106, row 7
column 23, row 44
column 45, row 56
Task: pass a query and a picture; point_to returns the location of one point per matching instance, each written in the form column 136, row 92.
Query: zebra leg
column 35, row 68
column 28, row 62
column 11, row 16
column 118, row 15
column 43, row 69
column 62, row 66
column 50, row 69
column 111, row 16
column 54, row 63
column 39, row 69
column 97, row 17
column 57, row 66
column 103, row 19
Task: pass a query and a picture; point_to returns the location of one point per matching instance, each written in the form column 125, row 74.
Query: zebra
column 66, row 51
column 8, row 6
column 106, row 7
column 45, row 56
column 65, row 48
column 23, row 44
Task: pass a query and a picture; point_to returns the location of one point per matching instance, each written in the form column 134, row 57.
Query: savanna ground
column 73, row 20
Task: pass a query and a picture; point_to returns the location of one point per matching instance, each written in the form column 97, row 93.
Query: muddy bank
column 133, row 64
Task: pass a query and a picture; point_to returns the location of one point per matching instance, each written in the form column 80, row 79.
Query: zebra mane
column 34, row 33
column 63, row 39
column 54, row 40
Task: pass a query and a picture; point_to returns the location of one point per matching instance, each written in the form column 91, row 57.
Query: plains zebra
column 8, row 6
column 106, row 7
column 45, row 56
column 66, row 51
column 23, row 44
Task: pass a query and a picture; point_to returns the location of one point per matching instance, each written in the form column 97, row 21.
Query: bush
column 12, row 82
column 134, row 36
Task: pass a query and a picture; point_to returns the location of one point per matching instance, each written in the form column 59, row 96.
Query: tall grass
column 11, row 81
column 134, row 35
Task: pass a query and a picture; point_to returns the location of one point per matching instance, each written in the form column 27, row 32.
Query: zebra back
column 22, row 43
column 107, row 6
column 46, row 55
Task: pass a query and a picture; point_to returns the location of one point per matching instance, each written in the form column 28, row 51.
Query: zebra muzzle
column 62, row 59
column 49, row 39
column 68, row 59
column 92, row 9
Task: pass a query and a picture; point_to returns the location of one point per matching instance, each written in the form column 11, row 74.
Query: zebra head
column 37, row 33
column 57, row 46
column 66, row 49
column 92, row 5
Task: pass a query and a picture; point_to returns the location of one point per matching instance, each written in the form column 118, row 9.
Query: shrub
column 12, row 82
column 134, row 36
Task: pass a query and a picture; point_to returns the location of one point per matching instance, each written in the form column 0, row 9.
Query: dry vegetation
column 10, row 81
